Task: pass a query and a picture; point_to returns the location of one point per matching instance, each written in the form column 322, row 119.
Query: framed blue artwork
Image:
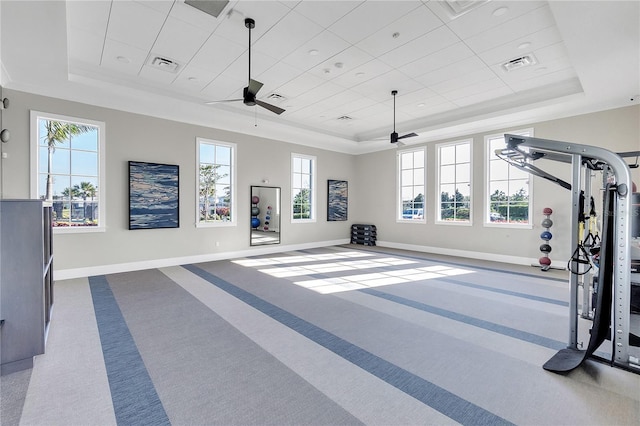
column 154, row 195
column 337, row 200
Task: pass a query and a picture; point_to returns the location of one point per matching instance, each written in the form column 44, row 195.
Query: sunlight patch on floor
column 280, row 260
column 323, row 268
column 378, row 279
column 330, row 263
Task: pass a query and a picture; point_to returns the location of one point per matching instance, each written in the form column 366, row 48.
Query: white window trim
column 34, row 159
column 234, row 201
column 314, row 188
column 486, row 221
column 399, row 207
column 438, row 203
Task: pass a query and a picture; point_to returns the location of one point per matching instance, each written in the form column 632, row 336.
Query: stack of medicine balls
column 545, row 248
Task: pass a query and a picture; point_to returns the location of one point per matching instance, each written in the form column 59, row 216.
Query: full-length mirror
column 265, row 215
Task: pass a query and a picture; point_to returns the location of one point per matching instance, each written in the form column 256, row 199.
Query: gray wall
column 372, row 191
column 617, row 130
column 142, row 138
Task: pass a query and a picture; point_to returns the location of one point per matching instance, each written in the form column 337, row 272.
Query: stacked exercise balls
column 545, row 248
column 255, row 211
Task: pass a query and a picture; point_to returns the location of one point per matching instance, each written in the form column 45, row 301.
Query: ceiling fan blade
column 408, row 135
column 270, row 107
column 225, row 100
column 254, row 86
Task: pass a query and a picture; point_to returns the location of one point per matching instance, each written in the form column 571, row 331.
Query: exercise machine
column 611, row 312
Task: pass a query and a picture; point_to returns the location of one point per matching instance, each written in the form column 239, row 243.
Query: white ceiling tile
column 439, row 59
column 217, row 54
column 319, row 93
column 344, row 62
column 277, row 75
column 123, row 58
column 374, row 15
column 196, row 17
column 483, row 96
column 326, row 45
column 85, row 46
column 156, row 75
column 429, row 43
column 134, row 24
column 542, row 79
column 90, row 16
column 225, row 86
column 512, row 49
column 521, row 26
column 413, row 99
column 380, row 88
column 266, row 14
column 362, row 73
column 323, row 14
column 192, row 79
column 465, row 80
column 494, row 86
column 259, row 64
column 179, row 40
column 163, row 6
column 482, row 19
column 449, row 72
column 292, row 31
column 409, row 27
column 299, row 85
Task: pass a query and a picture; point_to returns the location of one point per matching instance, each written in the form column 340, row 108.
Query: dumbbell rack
column 363, row 234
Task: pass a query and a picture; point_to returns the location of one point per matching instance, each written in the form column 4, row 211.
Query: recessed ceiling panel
column 134, row 24
column 435, row 40
column 323, row 14
column 179, row 40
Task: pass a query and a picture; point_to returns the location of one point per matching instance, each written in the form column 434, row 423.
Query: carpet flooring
column 341, row 335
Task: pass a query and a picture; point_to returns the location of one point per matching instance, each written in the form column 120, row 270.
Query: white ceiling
column 333, row 63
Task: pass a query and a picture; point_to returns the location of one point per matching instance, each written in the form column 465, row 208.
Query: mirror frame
column 275, row 220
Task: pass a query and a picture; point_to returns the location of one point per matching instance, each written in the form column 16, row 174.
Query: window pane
column 60, row 162
column 306, row 166
column 448, row 174
column 463, row 153
column 406, row 161
column 223, row 155
column 447, row 155
column 407, row 177
column 499, row 170
column 463, row 173
column 418, row 159
column 84, row 163
column 86, row 141
column 207, row 153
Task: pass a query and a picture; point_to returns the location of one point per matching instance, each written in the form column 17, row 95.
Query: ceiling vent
column 521, row 62
column 345, row 118
column 276, row 97
column 164, row 64
column 457, row 8
column 210, row 7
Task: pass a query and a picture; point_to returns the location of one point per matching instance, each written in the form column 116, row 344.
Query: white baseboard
column 514, row 260
column 66, row 274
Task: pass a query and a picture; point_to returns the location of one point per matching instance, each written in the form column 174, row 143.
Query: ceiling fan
column 394, row 136
column 249, row 93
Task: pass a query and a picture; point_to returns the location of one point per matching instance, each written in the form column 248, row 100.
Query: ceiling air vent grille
column 521, row 62
column 344, row 118
column 457, row 8
column 276, row 97
column 164, row 64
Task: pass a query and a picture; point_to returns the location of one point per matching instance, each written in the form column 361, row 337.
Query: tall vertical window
column 411, row 183
column 216, row 183
column 303, row 187
column 454, row 182
column 508, row 188
column 67, row 157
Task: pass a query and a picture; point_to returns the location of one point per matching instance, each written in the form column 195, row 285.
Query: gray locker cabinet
column 26, row 281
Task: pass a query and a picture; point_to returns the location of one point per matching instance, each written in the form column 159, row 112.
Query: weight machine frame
column 520, row 152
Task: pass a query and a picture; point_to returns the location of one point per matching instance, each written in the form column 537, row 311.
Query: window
column 216, row 183
column 508, row 188
column 411, row 183
column 67, row 160
column 454, row 182
column 303, row 188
